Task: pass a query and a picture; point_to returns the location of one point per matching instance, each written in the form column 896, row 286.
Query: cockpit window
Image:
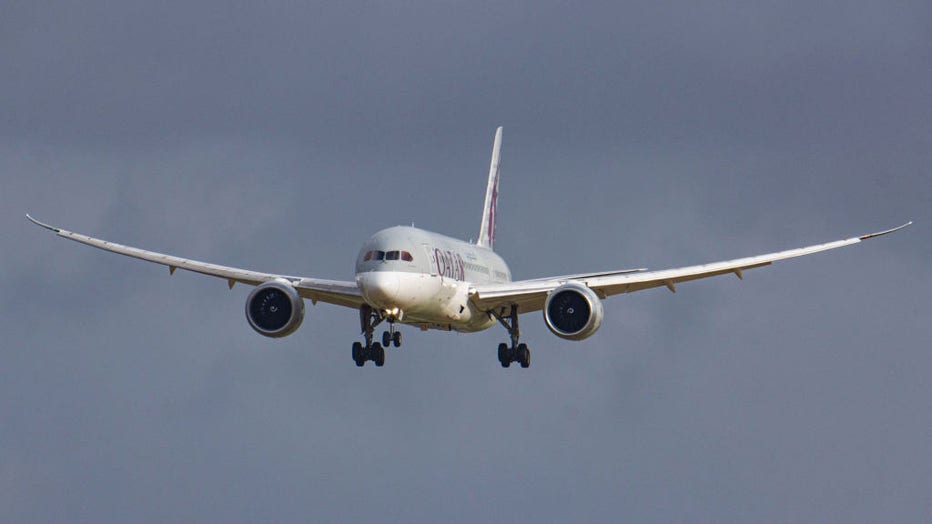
column 391, row 255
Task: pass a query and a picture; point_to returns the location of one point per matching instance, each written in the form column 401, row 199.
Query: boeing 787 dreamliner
column 406, row 275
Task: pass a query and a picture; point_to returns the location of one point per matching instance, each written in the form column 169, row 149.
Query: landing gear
column 515, row 352
column 520, row 354
column 368, row 320
column 375, row 353
column 391, row 338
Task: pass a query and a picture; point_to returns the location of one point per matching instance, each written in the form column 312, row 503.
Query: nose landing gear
column 392, row 337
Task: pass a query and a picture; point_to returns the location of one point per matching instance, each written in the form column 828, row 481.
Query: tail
column 487, row 230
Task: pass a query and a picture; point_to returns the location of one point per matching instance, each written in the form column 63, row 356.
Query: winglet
column 881, row 233
column 40, row 224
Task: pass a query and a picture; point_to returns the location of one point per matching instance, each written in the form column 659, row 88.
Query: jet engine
column 274, row 309
column 573, row 311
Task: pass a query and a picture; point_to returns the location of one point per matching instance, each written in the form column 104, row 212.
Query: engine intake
column 274, row 309
column 573, row 311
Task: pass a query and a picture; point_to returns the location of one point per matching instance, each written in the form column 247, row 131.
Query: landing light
column 395, row 313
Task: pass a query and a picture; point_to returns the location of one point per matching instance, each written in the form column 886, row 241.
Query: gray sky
column 277, row 137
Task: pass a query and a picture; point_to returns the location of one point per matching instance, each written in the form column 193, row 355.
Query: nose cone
column 380, row 288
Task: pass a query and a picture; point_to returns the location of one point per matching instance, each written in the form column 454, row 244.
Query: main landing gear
column 516, row 352
column 374, row 352
column 368, row 320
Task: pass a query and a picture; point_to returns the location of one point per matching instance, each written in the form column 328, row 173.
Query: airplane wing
column 584, row 276
column 337, row 292
column 530, row 295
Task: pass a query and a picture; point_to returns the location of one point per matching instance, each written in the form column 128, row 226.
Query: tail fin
column 487, row 230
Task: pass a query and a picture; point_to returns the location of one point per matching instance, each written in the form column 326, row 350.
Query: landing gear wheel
column 378, row 354
column 396, row 339
column 524, row 355
column 503, row 355
column 386, row 338
column 358, row 356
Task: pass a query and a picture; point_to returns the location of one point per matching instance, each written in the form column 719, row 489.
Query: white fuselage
column 422, row 278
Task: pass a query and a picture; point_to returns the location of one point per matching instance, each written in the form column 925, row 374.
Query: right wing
column 530, row 295
column 337, row 292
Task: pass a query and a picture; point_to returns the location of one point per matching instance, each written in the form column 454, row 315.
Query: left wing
column 337, row 292
column 529, row 295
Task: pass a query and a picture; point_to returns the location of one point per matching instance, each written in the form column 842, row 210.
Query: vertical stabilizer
column 487, row 230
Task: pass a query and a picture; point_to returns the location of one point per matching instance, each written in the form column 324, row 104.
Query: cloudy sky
column 278, row 135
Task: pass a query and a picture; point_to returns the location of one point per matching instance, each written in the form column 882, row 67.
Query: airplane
column 406, row 275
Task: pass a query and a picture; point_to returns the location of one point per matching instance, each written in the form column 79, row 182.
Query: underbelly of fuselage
column 428, row 301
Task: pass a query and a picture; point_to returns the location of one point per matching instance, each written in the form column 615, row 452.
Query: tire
column 386, row 338
column 357, row 353
column 378, row 355
column 503, row 354
column 524, row 355
column 396, row 339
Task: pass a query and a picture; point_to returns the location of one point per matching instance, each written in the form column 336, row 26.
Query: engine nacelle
column 573, row 311
column 274, row 309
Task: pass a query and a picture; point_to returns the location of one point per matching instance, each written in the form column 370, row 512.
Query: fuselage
column 418, row 277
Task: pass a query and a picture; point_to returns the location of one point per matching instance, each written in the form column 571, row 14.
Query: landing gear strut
column 368, row 320
column 516, row 352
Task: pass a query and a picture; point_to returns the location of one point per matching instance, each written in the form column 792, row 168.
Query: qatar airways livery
column 406, row 275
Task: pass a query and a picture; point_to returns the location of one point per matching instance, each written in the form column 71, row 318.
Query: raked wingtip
column 881, row 233
column 42, row 224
